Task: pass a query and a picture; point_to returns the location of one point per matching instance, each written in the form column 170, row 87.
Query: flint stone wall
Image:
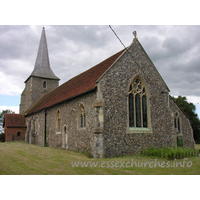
column 186, row 132
column 78, row 138
column 34, row 91
column 114, row 87
column 107, row 130
column 34, row 136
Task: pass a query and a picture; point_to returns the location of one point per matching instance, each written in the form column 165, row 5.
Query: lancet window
column 177, row 122
column 58, row 122
column 44, row 84
column 82, row 117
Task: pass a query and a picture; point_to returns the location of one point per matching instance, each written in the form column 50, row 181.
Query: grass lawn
column 21, row 158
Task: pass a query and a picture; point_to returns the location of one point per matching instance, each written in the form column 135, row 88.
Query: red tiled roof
column 78, row 85
column 14, row 120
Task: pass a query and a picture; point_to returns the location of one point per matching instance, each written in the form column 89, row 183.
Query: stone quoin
column 118, row 107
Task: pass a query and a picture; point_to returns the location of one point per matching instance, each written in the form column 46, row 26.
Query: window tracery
column 138, row 115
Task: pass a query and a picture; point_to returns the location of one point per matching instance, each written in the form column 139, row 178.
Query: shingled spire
column 42, row 67
column 42, row 79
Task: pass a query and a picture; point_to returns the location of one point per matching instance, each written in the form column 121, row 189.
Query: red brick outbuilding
column 14, row 127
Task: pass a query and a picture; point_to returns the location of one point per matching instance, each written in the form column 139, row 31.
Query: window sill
column 137, row 130
column 82, row 128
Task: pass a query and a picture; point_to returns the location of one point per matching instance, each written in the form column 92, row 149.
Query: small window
column 177, row 123
column 58, row 122
column 44, row 84
column 82, row 117
column 36, row 126
column 18, row 134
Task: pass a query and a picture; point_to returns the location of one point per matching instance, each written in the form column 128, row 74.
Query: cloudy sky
column 174, row 51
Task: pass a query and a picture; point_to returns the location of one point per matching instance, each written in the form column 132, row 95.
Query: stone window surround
column 44, row 88
column 37, row 127
column 177, row 118
column 44, row 85
column 133, row 130
column 81, row 109
column 58, row 123
column 64, row 145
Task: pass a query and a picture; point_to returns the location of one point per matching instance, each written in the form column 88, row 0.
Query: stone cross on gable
column 135, row 33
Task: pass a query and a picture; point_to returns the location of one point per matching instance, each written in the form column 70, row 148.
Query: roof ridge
column 94, row 66
column 71, row 88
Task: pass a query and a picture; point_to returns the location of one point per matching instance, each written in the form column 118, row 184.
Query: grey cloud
column 14, row 41
column 72, row 49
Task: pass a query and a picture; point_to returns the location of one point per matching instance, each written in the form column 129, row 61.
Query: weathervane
column 135, row 33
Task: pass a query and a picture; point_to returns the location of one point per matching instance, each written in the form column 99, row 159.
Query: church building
column 118, row 107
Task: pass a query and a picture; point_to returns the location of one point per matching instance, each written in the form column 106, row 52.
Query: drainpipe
column 45, row 126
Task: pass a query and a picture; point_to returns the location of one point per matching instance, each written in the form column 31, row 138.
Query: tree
column 5, row 111
column 2, row 136
column 190, row 111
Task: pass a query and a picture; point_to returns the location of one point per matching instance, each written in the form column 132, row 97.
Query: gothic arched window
column 82, row 117
column 177, row 122
column 37, row 126
column 44, row 84
column 138, row 115
column 58, row 122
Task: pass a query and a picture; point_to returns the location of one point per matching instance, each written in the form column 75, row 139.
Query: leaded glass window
column 131, row 111
column 144, row 110
column 138, row 112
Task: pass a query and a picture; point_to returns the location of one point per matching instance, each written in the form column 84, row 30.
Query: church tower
column 42, row 79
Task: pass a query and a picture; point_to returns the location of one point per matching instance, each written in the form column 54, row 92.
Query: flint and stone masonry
column 107, row 131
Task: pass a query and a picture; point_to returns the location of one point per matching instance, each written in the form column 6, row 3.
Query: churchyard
column 18, row 158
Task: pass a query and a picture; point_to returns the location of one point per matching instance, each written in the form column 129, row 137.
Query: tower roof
column 42, row 67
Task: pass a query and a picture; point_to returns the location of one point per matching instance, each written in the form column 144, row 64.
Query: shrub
column 170, row 153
